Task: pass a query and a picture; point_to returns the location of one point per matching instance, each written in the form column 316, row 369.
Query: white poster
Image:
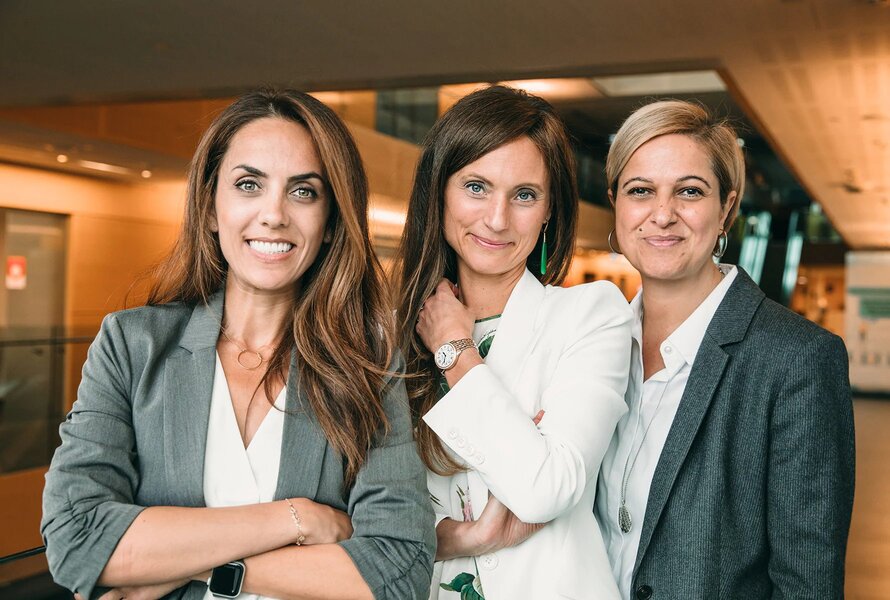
column 868, row 320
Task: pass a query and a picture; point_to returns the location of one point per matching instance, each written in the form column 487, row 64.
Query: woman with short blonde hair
column 732, row 474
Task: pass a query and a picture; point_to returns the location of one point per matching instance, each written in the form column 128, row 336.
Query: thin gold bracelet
column 295, row 517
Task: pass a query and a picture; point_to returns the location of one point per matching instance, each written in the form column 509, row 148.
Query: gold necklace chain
column 255, row 357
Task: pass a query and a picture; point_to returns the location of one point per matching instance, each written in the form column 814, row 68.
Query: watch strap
column 462, row 344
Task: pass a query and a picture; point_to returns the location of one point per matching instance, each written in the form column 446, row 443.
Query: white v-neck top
column 634, row 452
column 235, row 475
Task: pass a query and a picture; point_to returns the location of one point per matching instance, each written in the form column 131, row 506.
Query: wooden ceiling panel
column 826, row 61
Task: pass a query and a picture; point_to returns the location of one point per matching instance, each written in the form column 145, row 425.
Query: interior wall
column 115, row 232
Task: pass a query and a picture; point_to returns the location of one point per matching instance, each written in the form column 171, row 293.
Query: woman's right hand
column 498, row 528
column 321, row 524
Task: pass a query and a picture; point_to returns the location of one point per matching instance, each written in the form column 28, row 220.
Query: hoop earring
column 609, row 241
column 722, row 243
column 544, row 251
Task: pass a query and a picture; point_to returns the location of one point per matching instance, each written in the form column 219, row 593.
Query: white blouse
column 235, row 475
column 642, row 432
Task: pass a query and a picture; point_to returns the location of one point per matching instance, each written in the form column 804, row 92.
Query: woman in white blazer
column 517, row 384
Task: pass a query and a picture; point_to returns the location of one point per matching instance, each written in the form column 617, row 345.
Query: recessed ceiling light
column 62, row 158
column 683, row 82
column 146, row 173
column 105, row 167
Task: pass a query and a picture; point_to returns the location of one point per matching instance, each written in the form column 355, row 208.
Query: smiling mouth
column 271, row 248
column 663, row 240
column 485, row 243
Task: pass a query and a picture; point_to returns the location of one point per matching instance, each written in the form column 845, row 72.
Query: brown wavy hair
column 473, row 127
column 340, row 325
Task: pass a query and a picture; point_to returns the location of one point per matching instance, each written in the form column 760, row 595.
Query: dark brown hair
column 340, row 325
column 473, row 127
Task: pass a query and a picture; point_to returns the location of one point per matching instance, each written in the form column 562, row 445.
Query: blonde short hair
column 665, row 117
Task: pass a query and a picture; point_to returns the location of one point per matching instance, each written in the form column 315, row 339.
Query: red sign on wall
column 16, row 272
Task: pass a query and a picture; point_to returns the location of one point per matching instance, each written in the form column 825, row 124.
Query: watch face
column 445, row 356
column 225, row 581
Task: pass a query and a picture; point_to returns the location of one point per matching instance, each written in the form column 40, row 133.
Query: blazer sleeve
column 394, row 540
column 88, row 497
column 541, row 472
column 811, row 473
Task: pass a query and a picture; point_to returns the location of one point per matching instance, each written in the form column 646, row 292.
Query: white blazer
column 566, row 351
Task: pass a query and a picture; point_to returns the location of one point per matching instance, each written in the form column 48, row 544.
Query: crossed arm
column 535, row 469
column 96, row 534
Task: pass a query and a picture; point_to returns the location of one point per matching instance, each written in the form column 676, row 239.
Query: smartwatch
column 225, row 581
column 448, row 352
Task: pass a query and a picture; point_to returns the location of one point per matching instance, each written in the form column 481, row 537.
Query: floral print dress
column 467, row 584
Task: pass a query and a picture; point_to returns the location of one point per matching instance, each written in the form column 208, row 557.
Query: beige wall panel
column 106, row 256
column 359, row 107
column 389, row 162
column 20, row 509
column 169, row 127
column 49, row 191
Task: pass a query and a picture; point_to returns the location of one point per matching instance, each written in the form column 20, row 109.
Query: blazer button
column 644, row 592
column 489, row 561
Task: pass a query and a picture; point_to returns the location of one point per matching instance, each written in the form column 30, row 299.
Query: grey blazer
column 136, row 437
column 753, row 492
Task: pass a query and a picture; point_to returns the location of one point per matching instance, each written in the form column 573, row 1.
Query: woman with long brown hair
column 247, row 431
column 519, row 383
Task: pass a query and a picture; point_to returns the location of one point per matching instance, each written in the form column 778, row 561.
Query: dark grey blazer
column 752, row 495
column 136, row 437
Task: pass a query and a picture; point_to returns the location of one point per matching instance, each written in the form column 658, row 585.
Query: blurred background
column 103, row 102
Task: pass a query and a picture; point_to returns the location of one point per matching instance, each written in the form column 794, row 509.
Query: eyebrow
column 643, row 179
column 686, row 177
column 515, row 187
column 680, row 179
column 292, row 179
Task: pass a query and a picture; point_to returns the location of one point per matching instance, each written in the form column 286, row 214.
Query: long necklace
column 254, row 358
column 625, row 522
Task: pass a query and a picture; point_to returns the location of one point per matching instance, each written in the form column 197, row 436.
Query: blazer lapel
column 303, row 444
column 513, row 343
column 517, row 331
column 728, row 326
column 188, row 385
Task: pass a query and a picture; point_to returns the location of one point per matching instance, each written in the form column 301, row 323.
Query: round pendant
column 254, row 360
column 624, row 520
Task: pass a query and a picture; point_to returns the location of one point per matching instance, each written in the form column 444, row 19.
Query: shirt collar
column 686, row 339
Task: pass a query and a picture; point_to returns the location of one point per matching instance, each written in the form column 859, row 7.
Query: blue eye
column 526, row 196
column 475, row 187
column 247, row 185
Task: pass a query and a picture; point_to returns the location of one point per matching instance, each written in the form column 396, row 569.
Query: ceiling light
column 146, row 173
column 682, row 82
column 62, row 158
column 104, row 167
column 558, row 89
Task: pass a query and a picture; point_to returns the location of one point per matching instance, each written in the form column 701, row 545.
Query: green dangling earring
column 544, row 252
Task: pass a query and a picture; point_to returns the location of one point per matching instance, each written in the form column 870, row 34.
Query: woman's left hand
column 443, row 318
